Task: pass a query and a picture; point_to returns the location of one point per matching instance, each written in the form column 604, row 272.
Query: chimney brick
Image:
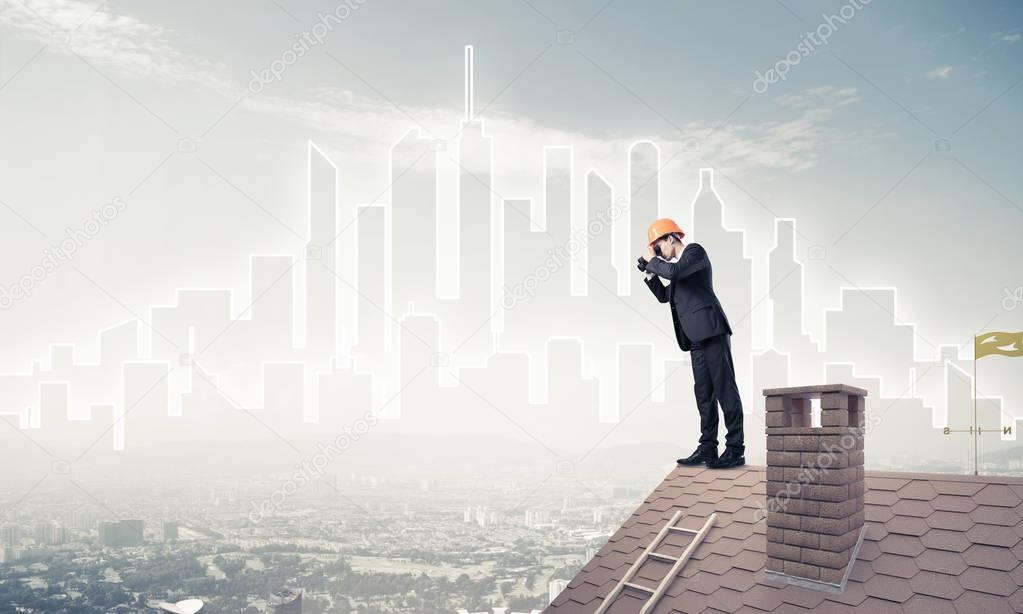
column 847, row 475
column 783, row 520
column 838, row 543
column 783, row 459
column 835, row 459
column 785, row 552
column 835, row 417
column 801, row 443
column 815, row 480
column 801, row 539
column 825, row 558
column 800, row 506
column 831, row 576
column 826, row 526
column 840, row 509
column 834, row 400
column 802, row 570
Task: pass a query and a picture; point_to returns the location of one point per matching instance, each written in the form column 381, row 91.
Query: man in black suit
column 701, row 329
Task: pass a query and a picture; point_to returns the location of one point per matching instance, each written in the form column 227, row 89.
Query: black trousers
column 714, row 377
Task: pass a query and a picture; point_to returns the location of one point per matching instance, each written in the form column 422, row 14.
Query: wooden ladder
column 651, row 553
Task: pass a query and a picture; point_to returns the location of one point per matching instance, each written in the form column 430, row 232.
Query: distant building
column 622, row 492
column 537, row 518
column 287, row 601
column 42, row 532
column 49, row 533
column 120, row 533
column 554, row 589
column 324, row 485
column 10, row 535
column 80, row 520
column 187, row 606
column 481, row 515
column 9, row 554
column 33, row 553
column 170, row 530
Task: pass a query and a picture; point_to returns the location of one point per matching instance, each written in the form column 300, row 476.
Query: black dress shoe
column 701, row 455
column 729, row 459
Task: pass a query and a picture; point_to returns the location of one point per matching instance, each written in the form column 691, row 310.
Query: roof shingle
column 934, row 544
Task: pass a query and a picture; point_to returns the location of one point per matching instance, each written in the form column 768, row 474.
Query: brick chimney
column 814, row 484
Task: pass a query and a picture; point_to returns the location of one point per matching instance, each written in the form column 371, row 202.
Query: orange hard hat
column 660, row 228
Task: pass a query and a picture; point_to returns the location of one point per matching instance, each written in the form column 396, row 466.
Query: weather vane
column 990, row 344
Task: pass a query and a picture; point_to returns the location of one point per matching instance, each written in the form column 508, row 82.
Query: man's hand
column 693, row 259
column 649, row 253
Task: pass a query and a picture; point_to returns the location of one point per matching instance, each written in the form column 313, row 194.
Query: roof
column 934, row 543
column 285, row 596
column 186, row 606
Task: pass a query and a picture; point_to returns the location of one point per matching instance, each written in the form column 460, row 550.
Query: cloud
column 828, row 96
column 792, row 143
column 120, row 43
column 941, row 72
column 128, row 46
column 1010, row 37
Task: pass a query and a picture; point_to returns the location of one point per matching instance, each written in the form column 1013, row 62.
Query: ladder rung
column 682, row 530
column 649, row 552
column 664, row 557
column 682, row 560
column 640, row 588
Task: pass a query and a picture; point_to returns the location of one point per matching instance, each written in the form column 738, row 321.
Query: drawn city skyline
column 347, row 326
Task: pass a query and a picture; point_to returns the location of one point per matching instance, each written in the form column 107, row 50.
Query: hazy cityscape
column 482, row 548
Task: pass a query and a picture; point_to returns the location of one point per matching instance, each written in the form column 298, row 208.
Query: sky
column 895, row 144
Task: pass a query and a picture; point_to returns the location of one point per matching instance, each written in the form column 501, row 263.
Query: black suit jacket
column 695, row 310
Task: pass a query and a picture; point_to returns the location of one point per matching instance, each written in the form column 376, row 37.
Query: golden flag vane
column 998, row 343
column 991, row 344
